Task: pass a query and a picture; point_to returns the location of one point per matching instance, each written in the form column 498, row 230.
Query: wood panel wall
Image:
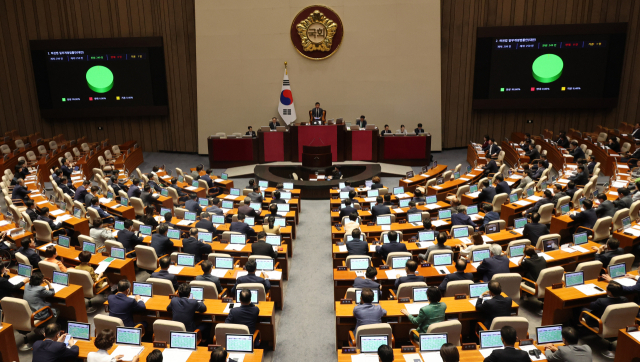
column 174, row 20
column 460, row 18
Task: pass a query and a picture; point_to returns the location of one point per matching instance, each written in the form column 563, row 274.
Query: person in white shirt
column 100, row 234
column 402, row 130
column 104, row 341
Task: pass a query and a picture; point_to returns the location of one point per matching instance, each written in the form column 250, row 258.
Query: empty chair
column 16, row 312
column 457, row 287
column 547, row 278
column 138, row 206
column 396, row 255
column 42, row 150
column 591, row 269
column 146, row 258
column 116, row 150
column 601, row 230
column 19, row 143
column 22, row 259
column 614, row 318
column 510, row 283
column 90, row 289
column 371, row 329
column 53, row 145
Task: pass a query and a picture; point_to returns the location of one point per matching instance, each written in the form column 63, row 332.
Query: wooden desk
column 410, row 184
column 400, row 325
column 201, row 355
column 70, row 303
column 452, row 186
column 335, row 203
column 368, row 216
column 81, row 226
column 398, row 356
column 215, row 309
column 513, row 153
column 8, row 346
column 476, row 155
column 627, row 349
column 17, row 238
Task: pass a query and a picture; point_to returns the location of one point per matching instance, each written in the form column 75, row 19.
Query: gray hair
column 462, row 208
column 495, row 249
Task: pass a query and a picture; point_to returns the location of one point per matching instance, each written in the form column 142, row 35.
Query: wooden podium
column 316, row 156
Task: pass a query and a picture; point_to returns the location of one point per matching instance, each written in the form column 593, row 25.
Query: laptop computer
column 280, row 221
column 573, row 279
column 285, row 195
column 217, row 220
column 283, row 207
column 490, row 340
column 164, row 192
column 144, row 290
column 183, row 340
column 472, row 210
column 256, row 206
column 617, row 270
column 371, row 343
column 513, row 198
column 118, row 253
column 444, row 214
column 456, row 175
column 492, row 229
column 431, row 199
column 186, row 260
column 479, row 255
column 442, row 259
column 580, row 238
column 516, row 250
column 550, row 244
column 275, row 240
column 398, row 190
column 476, row 289
column 263, row 183
column 173, row 234
column 77, row 212
column 191, row 216
column 223, row 262
column 519, row 223
column 344, row 195
column 254, row 295
column 264, row 264
column 460, row 232
column 164, row 211
column 376, row 295
column 89, row 246
column 399, row 262
column 419, row 294
column 549, row 334
column 383, row 220
column 287, row 185
column 203, row 202
column 226, row 204
column 128, row 336
column 432, row 342
column 415, row 219
column 197, row 293
column 404, row 202
column 240, row 239
column 59, row 281
column 224, row 176
column 373, row 193
column 239, row 343
column 79, row 330
column 124, row 202
column 626, row 222
column 119, row 225
column 564, row 209
column 234, row 192
column 195, row 183
column 205, row 237
column 145, row 230
column 368, row 183
column 359, row 265
column 530, row 192
column 64, row 241
column 24, row 271
column 473, row 189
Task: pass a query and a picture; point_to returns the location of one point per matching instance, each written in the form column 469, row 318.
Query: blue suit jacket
column 452, row 277
column 184, row 310
column 391, row 247
column 161, row 244
column 357, row 247
column 487, row 194
column 123, row 307
column 380, row 210
column 193, row 206
column 599, row 305
column 251, row 278
column 134, row 191
column 101, row 212
column 242, row 227
column 586, row 218
column 164, row 274
column 462, row 219
column 129, row 240
column 365, row 283
column 53, row 351
column 244, row 314
column 347, row 210
column 489, row 217
column 503, row 188
column 493, row 265
column 368, row 314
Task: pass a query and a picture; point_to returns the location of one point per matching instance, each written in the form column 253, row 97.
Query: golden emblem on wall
column 316, row 32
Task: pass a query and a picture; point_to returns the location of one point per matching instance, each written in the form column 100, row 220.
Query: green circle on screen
column 547, row 68
column 100, row 79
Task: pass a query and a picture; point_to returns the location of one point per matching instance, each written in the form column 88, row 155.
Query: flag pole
column 285, row 68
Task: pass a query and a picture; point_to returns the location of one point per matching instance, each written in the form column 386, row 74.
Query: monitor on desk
column 415, row 217
column 142, row 289
column 419, row 294
column 60, row 278
column 254, row 295
column 398, row 190
column 371, row 343
column 280, row 221
column 480, row 255
column 265, row 264
column 376, row 295
column 164, row 192
column 183, row 340
column 263, row 183
column 180, row 178
column 275, row 240
column 549, row 334
column 404, row 202
column 428, row 235
column 580, row 238
column 197, row 293
column 78, row 330
column 234, row 192
column 191, row 216
column 468, row 169
column 472, row 209
column 456, row 175
column 626, row 222
column 283, row 207
column 519, row 223
column 173, row 234
column 516, row 250
column 513, row 198
column 119, row 225
column 227, row 204
column 460, row 232
column 341, row 185
column 224, row 176
column 573, row 279
column 373, row 193
column 399, row 262
column 530, row 192
column 223, row 262
column 217, row 219
column 186, row 260
column 383, row 220
column 444, row 214
column 145, row 230
column 195, row 184
column 205, row 237
column 110, row 195
column 432, row 342
column 550, row 244
column 89, row 246
column 251, row 221
column 477, row 289
column 24, row 270
column 431, row 199
column 492, row 228
column 617, row 270
column 256, row 206
column 77, row 212
column 490, row 339
column 442, row 259
column 240, row 343
column 118, row 253
column 164, row 211
column 359, row 263
column 287, row 185
column 564, row 209
column 203, row 202
column 130, row 336
column 240, row 239
column 64, row 241
column 368, row 183
column 473, row 188
column 344, row 195
column 285, row 195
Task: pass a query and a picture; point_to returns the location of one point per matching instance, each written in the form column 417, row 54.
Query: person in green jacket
column 429, row 314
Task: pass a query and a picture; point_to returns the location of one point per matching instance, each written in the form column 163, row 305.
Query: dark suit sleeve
column 69, row 354
column 273, row 253
column 201, row 307
column 267, row 285
column 218, row 286
column 482, row 269
column 492, row 357
column 229, row 317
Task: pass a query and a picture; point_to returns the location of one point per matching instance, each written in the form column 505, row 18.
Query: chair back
column 392, row 216
column 162, row 329
column 461, row 191
column 547, row 278
column 405, row 289
column 498, row 200
column 174, row 195
column 161, row 286
column 16, row 311
column 178, row 212
column 625, row 147
column 82, row 278
column 614, row 318
column 67, row 200
column 103, row 321
column 47, row 268
column 348, row 260
column 510, row 283
column 563, row 200
column 457, row 287
column 116, row 150
column 576, row 198
column 85, row 147
column 541, row 240
column 146, row 257
column 31, row 156
column 19, row 143
column 501, row 223
column 447, row 175
column 517, row 242
column 539, row 184
column 92, row 214
column 591, row 269
column 43, row 231
column 520, row 324
column 546, row 213
column 124, row 195
column 262, row 295
column 188, row 179
column 80, row 206
column 634, row 210
column 396, row 255
column 374, row 329
column 601, row 229
column 42, row 150
column 624, row 258
column 222, row 329
column 518, row 192
column 22, row 259
column 617, row 218
column 108, row 244
column 138, row 205
column 210, row 290
column 453, row 329
column 602, row 136
column 76, row 152
column 436, row 252
column 226, row 235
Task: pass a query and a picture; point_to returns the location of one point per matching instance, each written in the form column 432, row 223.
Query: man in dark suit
column 562, row 140
column 163, row 273
column 490, row 167
column 524, row 145
column 93, row 192
column 391, row 247
column 581, row 177
column 64, row 187
column 461, row 265
column 597, row 307
column 509, row 353
column 419, row 130
column 255, row 195
column 52, row 348
column 214, row 207
column 624, row 199
column 241, row 227
column 606, row 207
column 410, row 268
column 246, row 313
column 106, row 218
column 534, row 230
column 576, row 151
column 366, row 312
column 56, row 176
column 20, row 192
column 206, row 276
column 44, row 216
column 606, row 252
column 153, row 182
column 207, row 178
column 115, row 185
column 387, row 200
column 184, row 310
column 362, row 123
column 586, row 218
column 274, row 123
column 347, row 187
column 380, row 208
column 532, row 152
column 636, row 131
column 192, row 204
column 348, row 209
column 182, row 196
column 368, row 280
column 128, row 238
column 412, row 208
column 192, row 245
column 496, row 306
column 246, row 209
column 592, row 164
column 123, row 307
column 206, row 224
column 557, row 193
column 488, row 192
column 31, row 210
column 385, row 130
column 489, row 216
column 134, row 190
column 316, row 113
column 250, row 132
column 461, row 218
column 357, row 246
column 276, row 198
column 635, row 155
column 146, row 196
column 501, row 186
column 492, row 149
column 28, row 249
column 538, row 173
column 495, row 264
column 571, row 189
column 67, row 168
column 160, row 242
column 548, row 196
column 262, row 248
column 251, row 277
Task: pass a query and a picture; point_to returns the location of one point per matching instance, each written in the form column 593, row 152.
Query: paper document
column 63, row 218
column 44, row 247
column 242, row 273
column 102, row 267
column 185, row 222
column 464, row 179
column 515, row 177
column 57, row 287
column 104, row 200
column 588, row 289
column 282, row 213
column 437, row 187
column 176, row 355
column 385, row 227
column 191, row 188
column 545, row 256
column 474, row 194
column 523, row 203
column 613, row 193
column 372, row 248
column 563, row 181
column 398, row 210
column 159, row 218
column 519, row 230
column 623, row 166
column 3, row 223
column 627, row 282
column 230, row 197
column 618, row 184
column 218, row 180
column 467, row 241
column 632, row 231
column 128, row 351
column 438, row 223
column 273, row 274
column 425, row 244
column 485, row 352
column 426, row 356
column 342, row 248
column 533, row 357
column 402, row 196
column 236, row 247
column 220, row 273
column 413, row 357
column 369, row 357
column 414, row 308
column 476, row 264
column 42, row 202
column 510, row 183
column 515, row 259
column 568, row 249
column 56, row 212
column 16, row 280
column 486, row 238
column 174, row 269
column 391, row 274
column 534, row 198
column 432, row 206
column 580, row 249
column 238, row 357
column 635, row 335
column 475, row 217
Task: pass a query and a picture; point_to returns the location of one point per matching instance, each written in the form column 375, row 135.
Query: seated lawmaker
column 357, row 245
column 20, row 192
column 548, row 196
column 376, row 184
column 606, row 252
column 369, row 279
column 380, row 208
column 581, row 177
column 489, row 216
column 316, row 113
column 461, row 265
column 192, row 245
column 362, row 123
column 597, row 307
column 366, row 312
column 163, row 273
column 497, row 306
column 495, row 264
column 251, row 277
column 419, row 129
column 534, row 230
column 493, row 149
column 502, row 187
column 206, row 275
column 52, row 348
column 592, row 164
column 123, row 307
column 276, row 198
column 385, row 130
column 260, row 247
column 532, row 264
column 614, row 145
column 128, row 238
column 250, row 132
column 586, row 218
column 441, row 239
column 402, row 130
column 576, row 151
column 241, row 227
column 160, row 242
column 412, row 276
column 392, row 246
column 487, row 193
column 430, row 313
column 562, row 140
column 509, row 353
column 525, row 144
column 461, row 218
column 274, row 123
column 490, row 167
column 628, row 156
column 347, row 187
column 351, row 224
column 246, row 314
column 571, row 351
column 184, row 309
column 532, row 152
column 538, row 173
